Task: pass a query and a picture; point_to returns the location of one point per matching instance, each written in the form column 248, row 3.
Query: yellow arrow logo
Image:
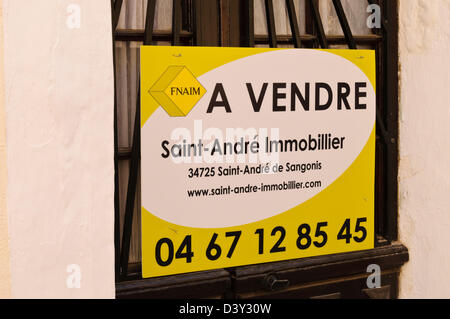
column 177, row 91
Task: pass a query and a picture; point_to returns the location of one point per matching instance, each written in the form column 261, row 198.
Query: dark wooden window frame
column 215, row 23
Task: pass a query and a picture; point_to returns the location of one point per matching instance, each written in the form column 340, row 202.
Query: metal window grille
column 232, row 23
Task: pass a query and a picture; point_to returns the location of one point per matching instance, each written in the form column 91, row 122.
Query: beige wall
column 424, row 177
column 4, row 238
column 59, row 122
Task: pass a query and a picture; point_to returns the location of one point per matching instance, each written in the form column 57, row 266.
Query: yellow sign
column 254, row 155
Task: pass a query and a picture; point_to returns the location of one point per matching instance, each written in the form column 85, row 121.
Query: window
column 261, row 23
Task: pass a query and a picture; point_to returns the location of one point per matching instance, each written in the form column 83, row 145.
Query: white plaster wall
column 59, row 121
column 424, row 181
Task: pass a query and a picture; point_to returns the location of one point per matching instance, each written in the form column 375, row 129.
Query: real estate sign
column 253, row 155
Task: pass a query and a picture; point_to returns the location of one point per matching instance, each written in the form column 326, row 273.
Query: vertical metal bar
column 176, row 22
column 293, row 22
column 344, row 24
column 116, row 163
column 251, row 23
column 248, row 24
column 198, row 35
column 151, row 8
column 380, row 206
column 389, row 131
column 116, row 13
column 318, row 23
column 382, row 128
column 309, row 22
column 186, row 17
column 224, row 22
column 131, row 192
column 391, row 100
column 270, row 18
column 135, row 156
column 380, row 154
